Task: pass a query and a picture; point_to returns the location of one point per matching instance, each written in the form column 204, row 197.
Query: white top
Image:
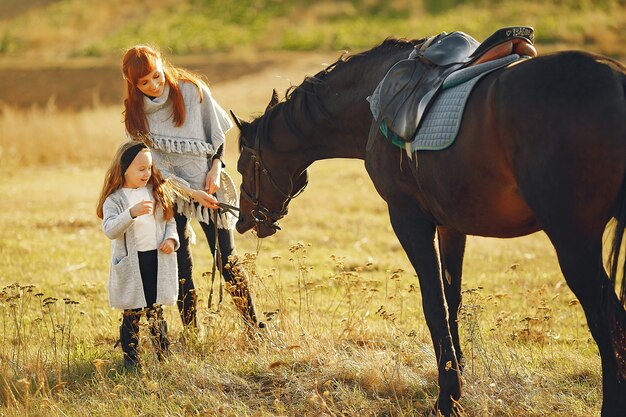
column 144, row 226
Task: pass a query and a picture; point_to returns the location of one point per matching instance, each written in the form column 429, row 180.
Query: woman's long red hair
column 139, row 61
column 114, row 180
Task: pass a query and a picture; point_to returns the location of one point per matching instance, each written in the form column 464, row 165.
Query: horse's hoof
column 455, row 410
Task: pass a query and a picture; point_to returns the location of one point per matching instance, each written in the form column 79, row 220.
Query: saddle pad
column 441, row 122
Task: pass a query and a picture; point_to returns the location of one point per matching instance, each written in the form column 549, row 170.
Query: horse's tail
column 619, row 230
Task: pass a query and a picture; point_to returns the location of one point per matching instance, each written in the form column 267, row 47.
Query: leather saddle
column 411, row 84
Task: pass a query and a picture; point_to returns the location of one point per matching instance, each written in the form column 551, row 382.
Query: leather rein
column 261, row 214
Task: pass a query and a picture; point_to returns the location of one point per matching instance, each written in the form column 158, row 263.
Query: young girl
column 136, row 210
column 186, row 129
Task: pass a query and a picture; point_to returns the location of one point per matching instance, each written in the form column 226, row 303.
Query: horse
column 541, row 146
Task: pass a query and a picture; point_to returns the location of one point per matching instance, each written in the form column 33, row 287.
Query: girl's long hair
column 114, row 180
column 138, row 62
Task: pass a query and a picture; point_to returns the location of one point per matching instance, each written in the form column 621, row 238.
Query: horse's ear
column 241, row 125
column 238, row 122
column 273, row 101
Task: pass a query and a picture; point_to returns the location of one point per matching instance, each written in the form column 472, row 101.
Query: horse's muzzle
column 262, row 230
column 244, row 225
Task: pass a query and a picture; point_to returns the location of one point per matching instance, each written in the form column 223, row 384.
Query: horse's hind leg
column 451, row 251
column 581, row 263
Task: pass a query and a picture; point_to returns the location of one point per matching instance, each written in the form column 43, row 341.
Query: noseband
column 262, row 214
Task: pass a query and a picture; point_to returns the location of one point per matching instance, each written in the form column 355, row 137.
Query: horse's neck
column 335, row 138
column 345, row 134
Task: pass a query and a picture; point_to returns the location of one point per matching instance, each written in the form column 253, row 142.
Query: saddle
column 409, row 87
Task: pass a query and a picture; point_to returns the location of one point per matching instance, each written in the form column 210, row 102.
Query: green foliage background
column 89, row 28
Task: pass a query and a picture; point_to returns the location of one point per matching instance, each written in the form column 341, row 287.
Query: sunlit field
column 345, row 335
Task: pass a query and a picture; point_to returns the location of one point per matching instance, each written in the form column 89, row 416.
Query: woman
column 173, row 111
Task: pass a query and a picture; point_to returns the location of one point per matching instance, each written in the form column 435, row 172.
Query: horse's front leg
column 416, row 234
column 451, row 251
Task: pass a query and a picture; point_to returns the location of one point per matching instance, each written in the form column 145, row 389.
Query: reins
column 217, row 259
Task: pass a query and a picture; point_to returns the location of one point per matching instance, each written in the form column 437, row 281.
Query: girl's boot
column 129, row 337
column 158, row 329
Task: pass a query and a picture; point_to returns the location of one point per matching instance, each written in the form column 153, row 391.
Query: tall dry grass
column 44, row 137
column 352, row 342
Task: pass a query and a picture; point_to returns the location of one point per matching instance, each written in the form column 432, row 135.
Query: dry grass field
column 345, row 330
column 345, row 335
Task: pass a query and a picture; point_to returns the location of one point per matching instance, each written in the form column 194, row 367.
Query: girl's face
column 139, row 171
column 153, row 84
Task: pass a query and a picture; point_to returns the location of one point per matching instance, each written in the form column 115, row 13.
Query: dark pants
column 148, row 267
column 226, row 244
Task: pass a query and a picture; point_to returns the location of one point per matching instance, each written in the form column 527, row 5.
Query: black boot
column 158, row 329
column 236, row 278
column 129, row 338
column 187, row 303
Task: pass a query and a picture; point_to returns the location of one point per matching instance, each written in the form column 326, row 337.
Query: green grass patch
column 204, row 26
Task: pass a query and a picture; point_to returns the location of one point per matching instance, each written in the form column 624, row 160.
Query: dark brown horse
column 542, row 146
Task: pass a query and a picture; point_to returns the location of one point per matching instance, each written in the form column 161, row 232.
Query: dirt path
column 91, row 82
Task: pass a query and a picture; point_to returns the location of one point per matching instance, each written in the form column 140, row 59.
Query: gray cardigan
column 125, row 285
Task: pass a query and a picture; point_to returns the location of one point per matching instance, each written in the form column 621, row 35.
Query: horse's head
column 327, row 116
column 270, row 175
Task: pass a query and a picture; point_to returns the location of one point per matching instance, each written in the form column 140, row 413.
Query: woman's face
column 153, row 84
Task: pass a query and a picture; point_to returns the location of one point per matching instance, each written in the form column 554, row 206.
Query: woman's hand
column 204, row 198
column 141, row 208
column 212, row 182
column 168, row 246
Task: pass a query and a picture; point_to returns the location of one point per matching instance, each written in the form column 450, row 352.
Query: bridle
column 261, row 214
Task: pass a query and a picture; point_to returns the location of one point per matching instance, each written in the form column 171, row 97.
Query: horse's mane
column 304, row 98
column 389, row 44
